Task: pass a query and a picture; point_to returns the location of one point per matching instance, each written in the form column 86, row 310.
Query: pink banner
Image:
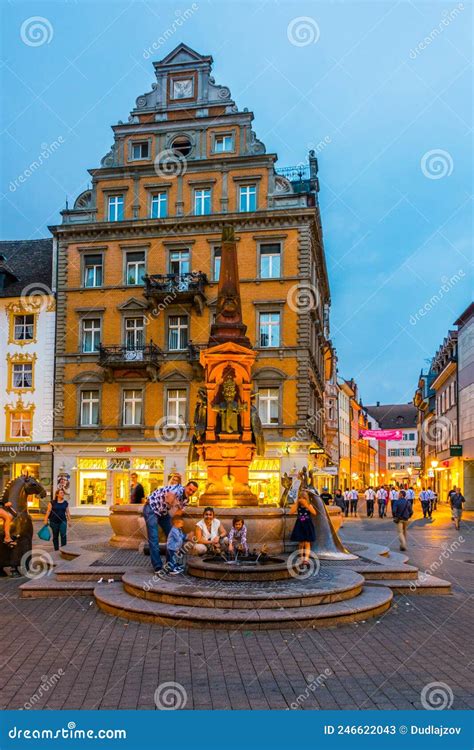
column 381, row 434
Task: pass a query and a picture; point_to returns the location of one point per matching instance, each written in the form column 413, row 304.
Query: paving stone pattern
column 109, row 663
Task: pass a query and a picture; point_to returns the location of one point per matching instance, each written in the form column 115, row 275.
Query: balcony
column 194, row 351
column 118, row 360
column 167, row 289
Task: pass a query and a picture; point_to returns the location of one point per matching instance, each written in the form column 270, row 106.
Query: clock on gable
column 182, row 88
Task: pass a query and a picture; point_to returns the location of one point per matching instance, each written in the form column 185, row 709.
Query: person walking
column 381, row 496
column 354, row 499
column 157, row 511
column 137, row 493
column 434, row 499
column 457, row 500
column 402, row 510
column 58, row 516
column 392, row 495
column 425, row 500
column 347, row 500
column 326, row 496
column 370, row 499
column 340, row 501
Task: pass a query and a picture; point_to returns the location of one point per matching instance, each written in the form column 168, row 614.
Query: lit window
column 176, row 406
column 24, row 327
column 270, row 261
column 132, row 407
column 20, row 424
column 269, row 329
column 23, row 375
column 177, row 332
column 116, row 208
column 223, row 144
column 90, row 335
column 268, row 399
column 135, row 268
column 93, row 270
column 217, row 264
column 140, row 150
column 89, row 408
column 248, row 198
column 202, row 202
column 159, row 205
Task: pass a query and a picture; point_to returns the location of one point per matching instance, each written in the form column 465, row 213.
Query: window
column 181, row 146
column 223, row 144
column 216, row 266
column 90, row 335
column 93, row 270
column 24, row 327
column 179, row 262
column 176, row 406
column 23, row 375
column 270, row 329
column 248, row 198
column 132, row 407
column 159, row 205
column 20, row 424
column 134, row 334
column 134, row 268
column 177, row 332
column 270, row 261
column 140, row 150
column 202, row 202
column 116, row 208
column 89, row 408
column 268, row 405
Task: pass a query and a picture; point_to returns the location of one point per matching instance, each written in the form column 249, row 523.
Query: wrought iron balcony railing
column 124, row 356
column 171, row 287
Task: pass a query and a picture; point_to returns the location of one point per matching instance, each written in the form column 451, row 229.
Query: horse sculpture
column 16, row 492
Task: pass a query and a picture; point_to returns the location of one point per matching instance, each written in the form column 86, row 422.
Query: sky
column 381, row 90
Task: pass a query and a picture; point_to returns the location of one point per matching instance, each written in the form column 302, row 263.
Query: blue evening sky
column 382, row 87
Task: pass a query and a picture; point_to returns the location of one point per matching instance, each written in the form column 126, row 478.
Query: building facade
column 27, row 332
column 344, row 396
column 138, row 266
column 402, row 460
column 465, row 324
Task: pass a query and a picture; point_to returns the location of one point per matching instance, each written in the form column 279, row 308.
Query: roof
column 465, row 316
column 394, row 416
column 27, row 263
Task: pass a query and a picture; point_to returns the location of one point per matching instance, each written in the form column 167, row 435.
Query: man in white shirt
column 381, row 496
column 393, row 495
column 347, row 498
column 425, row 499
column 354, row 499
column 410, row 494
column 370, row 497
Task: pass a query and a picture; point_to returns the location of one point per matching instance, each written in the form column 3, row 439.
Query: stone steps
column 423, row 585
column 48, row 587
column 184, row 590
column 114, row 600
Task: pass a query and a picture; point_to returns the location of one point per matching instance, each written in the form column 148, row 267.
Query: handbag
column 45, row 533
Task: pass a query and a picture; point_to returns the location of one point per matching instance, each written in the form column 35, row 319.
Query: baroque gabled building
column 27, row 321
column 138, row 265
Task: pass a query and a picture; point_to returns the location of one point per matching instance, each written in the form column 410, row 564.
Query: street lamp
column 434, row 464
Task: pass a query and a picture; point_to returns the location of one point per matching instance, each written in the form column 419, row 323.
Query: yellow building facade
column 138, row 266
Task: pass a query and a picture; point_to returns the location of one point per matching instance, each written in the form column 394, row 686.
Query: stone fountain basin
column 266, row 524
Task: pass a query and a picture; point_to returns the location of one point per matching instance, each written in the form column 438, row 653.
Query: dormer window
column 140, row 150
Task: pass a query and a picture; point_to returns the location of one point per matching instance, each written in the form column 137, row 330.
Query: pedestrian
column 425, row 500
column 370, row 498
column 174, row 547
column 354, row 499
column 410, row 493
column 393, row 495
column 303, row 531
column 58, row 516
column 381, row 496
column 434, row 499
column 457, row 499
column 340, row 500
column 157, row 511
column 451, row 492
column 137, row 493
column 325, row 496
column 402, row 510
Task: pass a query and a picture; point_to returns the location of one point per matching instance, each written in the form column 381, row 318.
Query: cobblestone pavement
column 65, row 653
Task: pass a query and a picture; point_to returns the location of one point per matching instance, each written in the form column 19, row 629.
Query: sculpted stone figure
column 230, row 408
column 257, row 428
column 200, row 421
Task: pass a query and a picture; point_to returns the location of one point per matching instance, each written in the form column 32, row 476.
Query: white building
column 403, row 462
column 27, row 346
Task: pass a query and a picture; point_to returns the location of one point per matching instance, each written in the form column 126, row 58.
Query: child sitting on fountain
column 238, row 536
column 6, row 517
column 303, row 532
column 174, row 547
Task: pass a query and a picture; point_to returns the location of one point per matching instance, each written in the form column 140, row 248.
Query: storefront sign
column 118, row 449
column 455, row 450
column 316, row 450
column 19, row 447
column 381, row 434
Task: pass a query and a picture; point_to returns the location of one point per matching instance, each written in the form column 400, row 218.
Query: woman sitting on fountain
column 6, row 517
column 211, row 536
column 303, row 532
column 238, row 536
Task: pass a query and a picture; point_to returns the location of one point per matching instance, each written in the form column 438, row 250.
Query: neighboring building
column 344, row 396
column 138, row 265
column 465, row 324
column 425, row 402
column 27, row 321
column 445, row 433
column 403, row 461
